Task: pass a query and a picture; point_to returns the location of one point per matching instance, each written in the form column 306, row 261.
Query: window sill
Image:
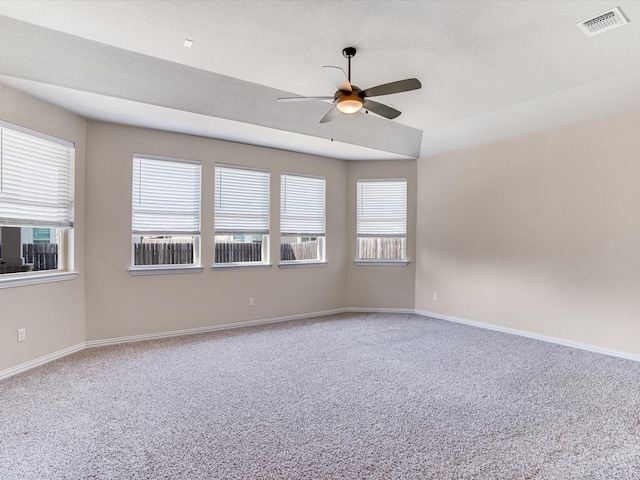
column 302, row 264
column 30, row 278
column 164, row 270
column 382, row 263
column 240, row 266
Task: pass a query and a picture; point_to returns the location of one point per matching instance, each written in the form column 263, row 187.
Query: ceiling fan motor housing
column 349, row 52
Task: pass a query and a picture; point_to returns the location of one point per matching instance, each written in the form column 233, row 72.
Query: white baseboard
column 378, row 310
column 210, row 328
column 536, row 336
column 23, row 367
column 226, row 326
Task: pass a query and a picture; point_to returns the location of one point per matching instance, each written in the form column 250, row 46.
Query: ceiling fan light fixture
column 350, row 104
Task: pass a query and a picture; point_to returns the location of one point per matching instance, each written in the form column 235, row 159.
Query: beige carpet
column 353, row 396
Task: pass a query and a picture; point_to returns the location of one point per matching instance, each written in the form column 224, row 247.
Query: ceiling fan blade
column 338, row 77
column 330, row 116
column 393, row 87
column 382, row 110
column 302, row 99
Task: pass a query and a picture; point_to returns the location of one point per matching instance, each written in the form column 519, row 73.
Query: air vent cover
column 603, row 22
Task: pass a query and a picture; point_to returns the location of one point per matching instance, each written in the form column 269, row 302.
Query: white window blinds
column 36, row 180
column 382, row 208
column 165, row 196
column 302, row 205
column 241, row 200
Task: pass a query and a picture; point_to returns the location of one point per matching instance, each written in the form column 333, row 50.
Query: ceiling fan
column 350, row 99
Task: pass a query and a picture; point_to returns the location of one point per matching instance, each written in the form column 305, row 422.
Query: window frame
column 321, row 259
column 265, row 233
column 359, row 260
column 63, row 226
column 196, row 234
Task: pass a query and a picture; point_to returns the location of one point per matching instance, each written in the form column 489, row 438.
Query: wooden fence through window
column 163, row 253
column 232, row 252
column 381, row 248
column 43, row 256
column 299, row 251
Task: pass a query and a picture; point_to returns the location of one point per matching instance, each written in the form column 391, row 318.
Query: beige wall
column 381, row 286
column 541, row 233
column 52, row 313
column 121, row 305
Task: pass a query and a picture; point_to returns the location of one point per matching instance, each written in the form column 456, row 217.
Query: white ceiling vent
column 603, row 22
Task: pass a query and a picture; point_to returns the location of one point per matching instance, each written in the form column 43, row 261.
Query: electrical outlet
column 435, row 297
column 22, row 334
column 251, row 301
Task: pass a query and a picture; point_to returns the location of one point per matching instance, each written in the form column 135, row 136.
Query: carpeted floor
column 353, row 396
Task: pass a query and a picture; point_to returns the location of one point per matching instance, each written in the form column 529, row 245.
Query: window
column 36, row 201
column 302, row 218
column 241, row 215
column 382, row 219
column 165, row 212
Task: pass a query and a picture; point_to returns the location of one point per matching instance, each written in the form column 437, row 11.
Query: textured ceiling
column 489, row 69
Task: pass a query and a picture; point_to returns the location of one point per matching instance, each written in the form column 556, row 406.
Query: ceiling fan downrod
column 349, row 53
